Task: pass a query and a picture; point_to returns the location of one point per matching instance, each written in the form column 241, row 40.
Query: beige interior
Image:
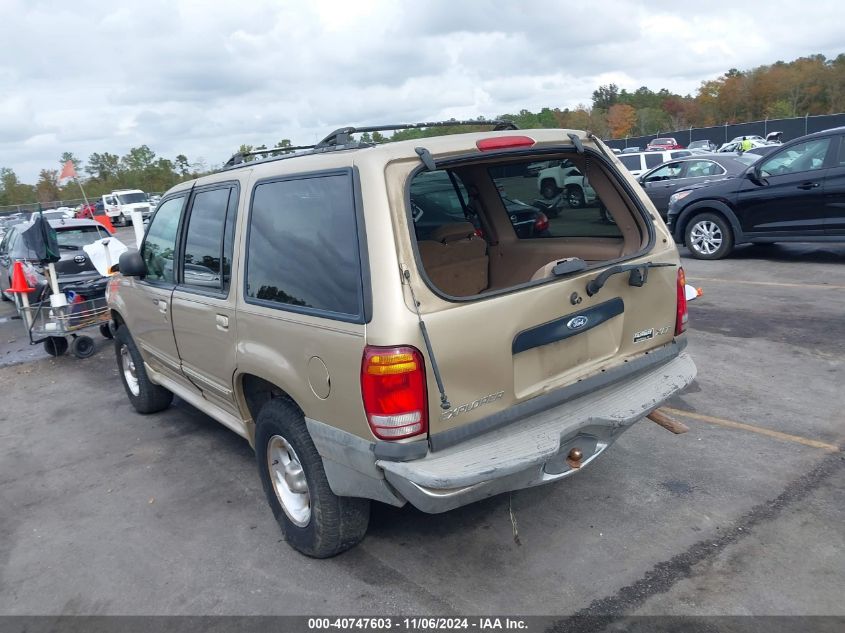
column 461, row 264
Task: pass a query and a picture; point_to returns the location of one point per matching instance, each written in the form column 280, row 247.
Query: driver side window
column 160, row 243
column 802, row 157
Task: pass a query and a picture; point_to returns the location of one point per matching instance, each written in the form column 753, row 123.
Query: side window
column 698, row 168
column 653, row 159
column 435, row 201
column 631, row 162
column 160, row 243
column 208, row 242
column 667, row 172
column 303, row 247
column 806, row 156
column 842, row 151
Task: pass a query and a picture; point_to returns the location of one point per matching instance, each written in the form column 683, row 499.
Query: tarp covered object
column 40, row 239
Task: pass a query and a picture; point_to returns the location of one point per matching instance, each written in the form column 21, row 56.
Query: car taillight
column 541, row 223
column 681, row 317
column 394, row 391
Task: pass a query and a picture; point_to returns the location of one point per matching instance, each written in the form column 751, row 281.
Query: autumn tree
column 621, row 119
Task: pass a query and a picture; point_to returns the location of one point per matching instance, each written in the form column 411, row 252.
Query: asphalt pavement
column 104, row 511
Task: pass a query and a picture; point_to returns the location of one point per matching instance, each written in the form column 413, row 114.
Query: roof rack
column 342, row 139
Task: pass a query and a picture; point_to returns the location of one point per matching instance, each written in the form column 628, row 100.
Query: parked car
column 53, row 214
column 566, row 178
column 663, row 144
column 365, row 357
column 736, row 146
column 707, row 146
column 74, row 267
column 662, row 181
column 796, row 193
column 631, row 150
column 643, row 161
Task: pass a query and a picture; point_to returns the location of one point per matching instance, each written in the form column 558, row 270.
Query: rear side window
column 160, row 243
column 302, row 252
column 631, row 162
column 653, row 160
column 207, row 262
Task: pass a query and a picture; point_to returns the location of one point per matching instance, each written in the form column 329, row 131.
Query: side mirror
column 131, row 264
column 754, row 175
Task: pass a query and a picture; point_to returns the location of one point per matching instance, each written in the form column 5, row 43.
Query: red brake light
column 394, row 391
column 682, row 317
column 541, row 223
column 504, row 142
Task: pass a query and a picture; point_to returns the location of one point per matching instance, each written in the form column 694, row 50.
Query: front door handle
column 808, row 185
column 222, row 322
column 162, row 305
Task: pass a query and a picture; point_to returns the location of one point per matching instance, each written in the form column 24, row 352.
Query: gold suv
column 403, row 322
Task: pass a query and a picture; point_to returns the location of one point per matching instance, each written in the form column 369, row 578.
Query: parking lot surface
column 104, row 511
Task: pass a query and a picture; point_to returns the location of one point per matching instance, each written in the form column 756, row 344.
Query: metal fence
column 33, row 206
column 791, row 128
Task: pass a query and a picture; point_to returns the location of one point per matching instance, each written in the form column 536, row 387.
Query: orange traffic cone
column 106, row 222
column 19, row 284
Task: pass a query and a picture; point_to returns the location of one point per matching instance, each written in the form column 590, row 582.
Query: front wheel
column 144, row 394
column 313, row 519
column 708, row 236
column 575, row 197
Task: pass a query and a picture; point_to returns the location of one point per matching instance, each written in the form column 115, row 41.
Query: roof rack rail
column 240, row 157
column 342, row 136
column 342, row 139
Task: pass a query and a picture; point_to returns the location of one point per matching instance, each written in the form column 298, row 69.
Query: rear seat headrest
column 453, row 232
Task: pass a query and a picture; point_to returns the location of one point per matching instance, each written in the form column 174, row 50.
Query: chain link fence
column 791, row 128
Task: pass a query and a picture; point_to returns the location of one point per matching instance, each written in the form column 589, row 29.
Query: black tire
column 151, row 397
column 335, row 523
column 55, row 345
column 105, row 330
column 575, row 197
column 82, row 347
column 710, row 224
column 548, row 189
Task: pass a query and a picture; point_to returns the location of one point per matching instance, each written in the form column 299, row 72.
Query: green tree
column 68, row 156
column 605, row 96
column 104, row 167
column 183, row 168
column 47, row 187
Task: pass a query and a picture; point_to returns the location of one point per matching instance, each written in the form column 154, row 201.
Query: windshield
column 662, row 141
column 77, row 237
column 748, row 158
column 132, row 198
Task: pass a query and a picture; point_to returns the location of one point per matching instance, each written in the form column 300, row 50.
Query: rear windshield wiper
column 638, row 277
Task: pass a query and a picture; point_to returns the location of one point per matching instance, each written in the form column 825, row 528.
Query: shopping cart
column 52, row 326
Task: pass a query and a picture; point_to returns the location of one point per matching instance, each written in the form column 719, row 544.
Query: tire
column 708, row 236
column 82, row 347
column 548, row 189
column 105, row 330
column 575, row 197
column 55, row 345
column 321, row 524
column 145, row 395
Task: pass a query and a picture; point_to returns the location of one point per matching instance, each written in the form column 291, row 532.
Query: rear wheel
column 313, row 519
column 145, row 395
column 548, row 189
column 575, row 197
column 709, row 236
column 55, row 345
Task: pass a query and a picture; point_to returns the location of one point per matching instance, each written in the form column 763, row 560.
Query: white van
column 639, row 162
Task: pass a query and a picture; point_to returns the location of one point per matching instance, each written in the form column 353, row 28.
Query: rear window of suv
column 302, row 251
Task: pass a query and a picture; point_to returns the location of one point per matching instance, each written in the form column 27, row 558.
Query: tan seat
column 455, row 259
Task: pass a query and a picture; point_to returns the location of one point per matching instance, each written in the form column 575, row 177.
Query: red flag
column 68, row 171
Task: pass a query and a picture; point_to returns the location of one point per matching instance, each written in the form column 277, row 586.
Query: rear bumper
column 525, row 453
column 534, row 450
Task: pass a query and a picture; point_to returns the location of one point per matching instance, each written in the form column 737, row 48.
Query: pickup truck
column 120, row 204
column 568, row 179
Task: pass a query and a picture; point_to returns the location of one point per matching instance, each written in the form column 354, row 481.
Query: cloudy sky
column 200, row 78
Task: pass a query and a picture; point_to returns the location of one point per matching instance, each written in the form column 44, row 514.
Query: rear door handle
column 808, row 185
column 222, row 322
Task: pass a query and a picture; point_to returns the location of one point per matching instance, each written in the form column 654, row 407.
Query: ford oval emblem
column 79, row 259
column 576, row 323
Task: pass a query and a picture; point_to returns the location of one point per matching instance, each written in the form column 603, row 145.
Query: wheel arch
column 708, row 206
column 252, row 393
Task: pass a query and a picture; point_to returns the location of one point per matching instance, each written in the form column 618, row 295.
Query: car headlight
column 677, row 197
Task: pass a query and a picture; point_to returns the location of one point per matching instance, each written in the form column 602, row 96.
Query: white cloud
column 200, row 78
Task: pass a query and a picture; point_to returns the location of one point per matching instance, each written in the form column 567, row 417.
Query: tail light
column 504, row 142
column 394, row 391
column 681, row 317
column 541, row 223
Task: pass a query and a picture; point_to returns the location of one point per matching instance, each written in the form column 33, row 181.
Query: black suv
column 794, row 194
